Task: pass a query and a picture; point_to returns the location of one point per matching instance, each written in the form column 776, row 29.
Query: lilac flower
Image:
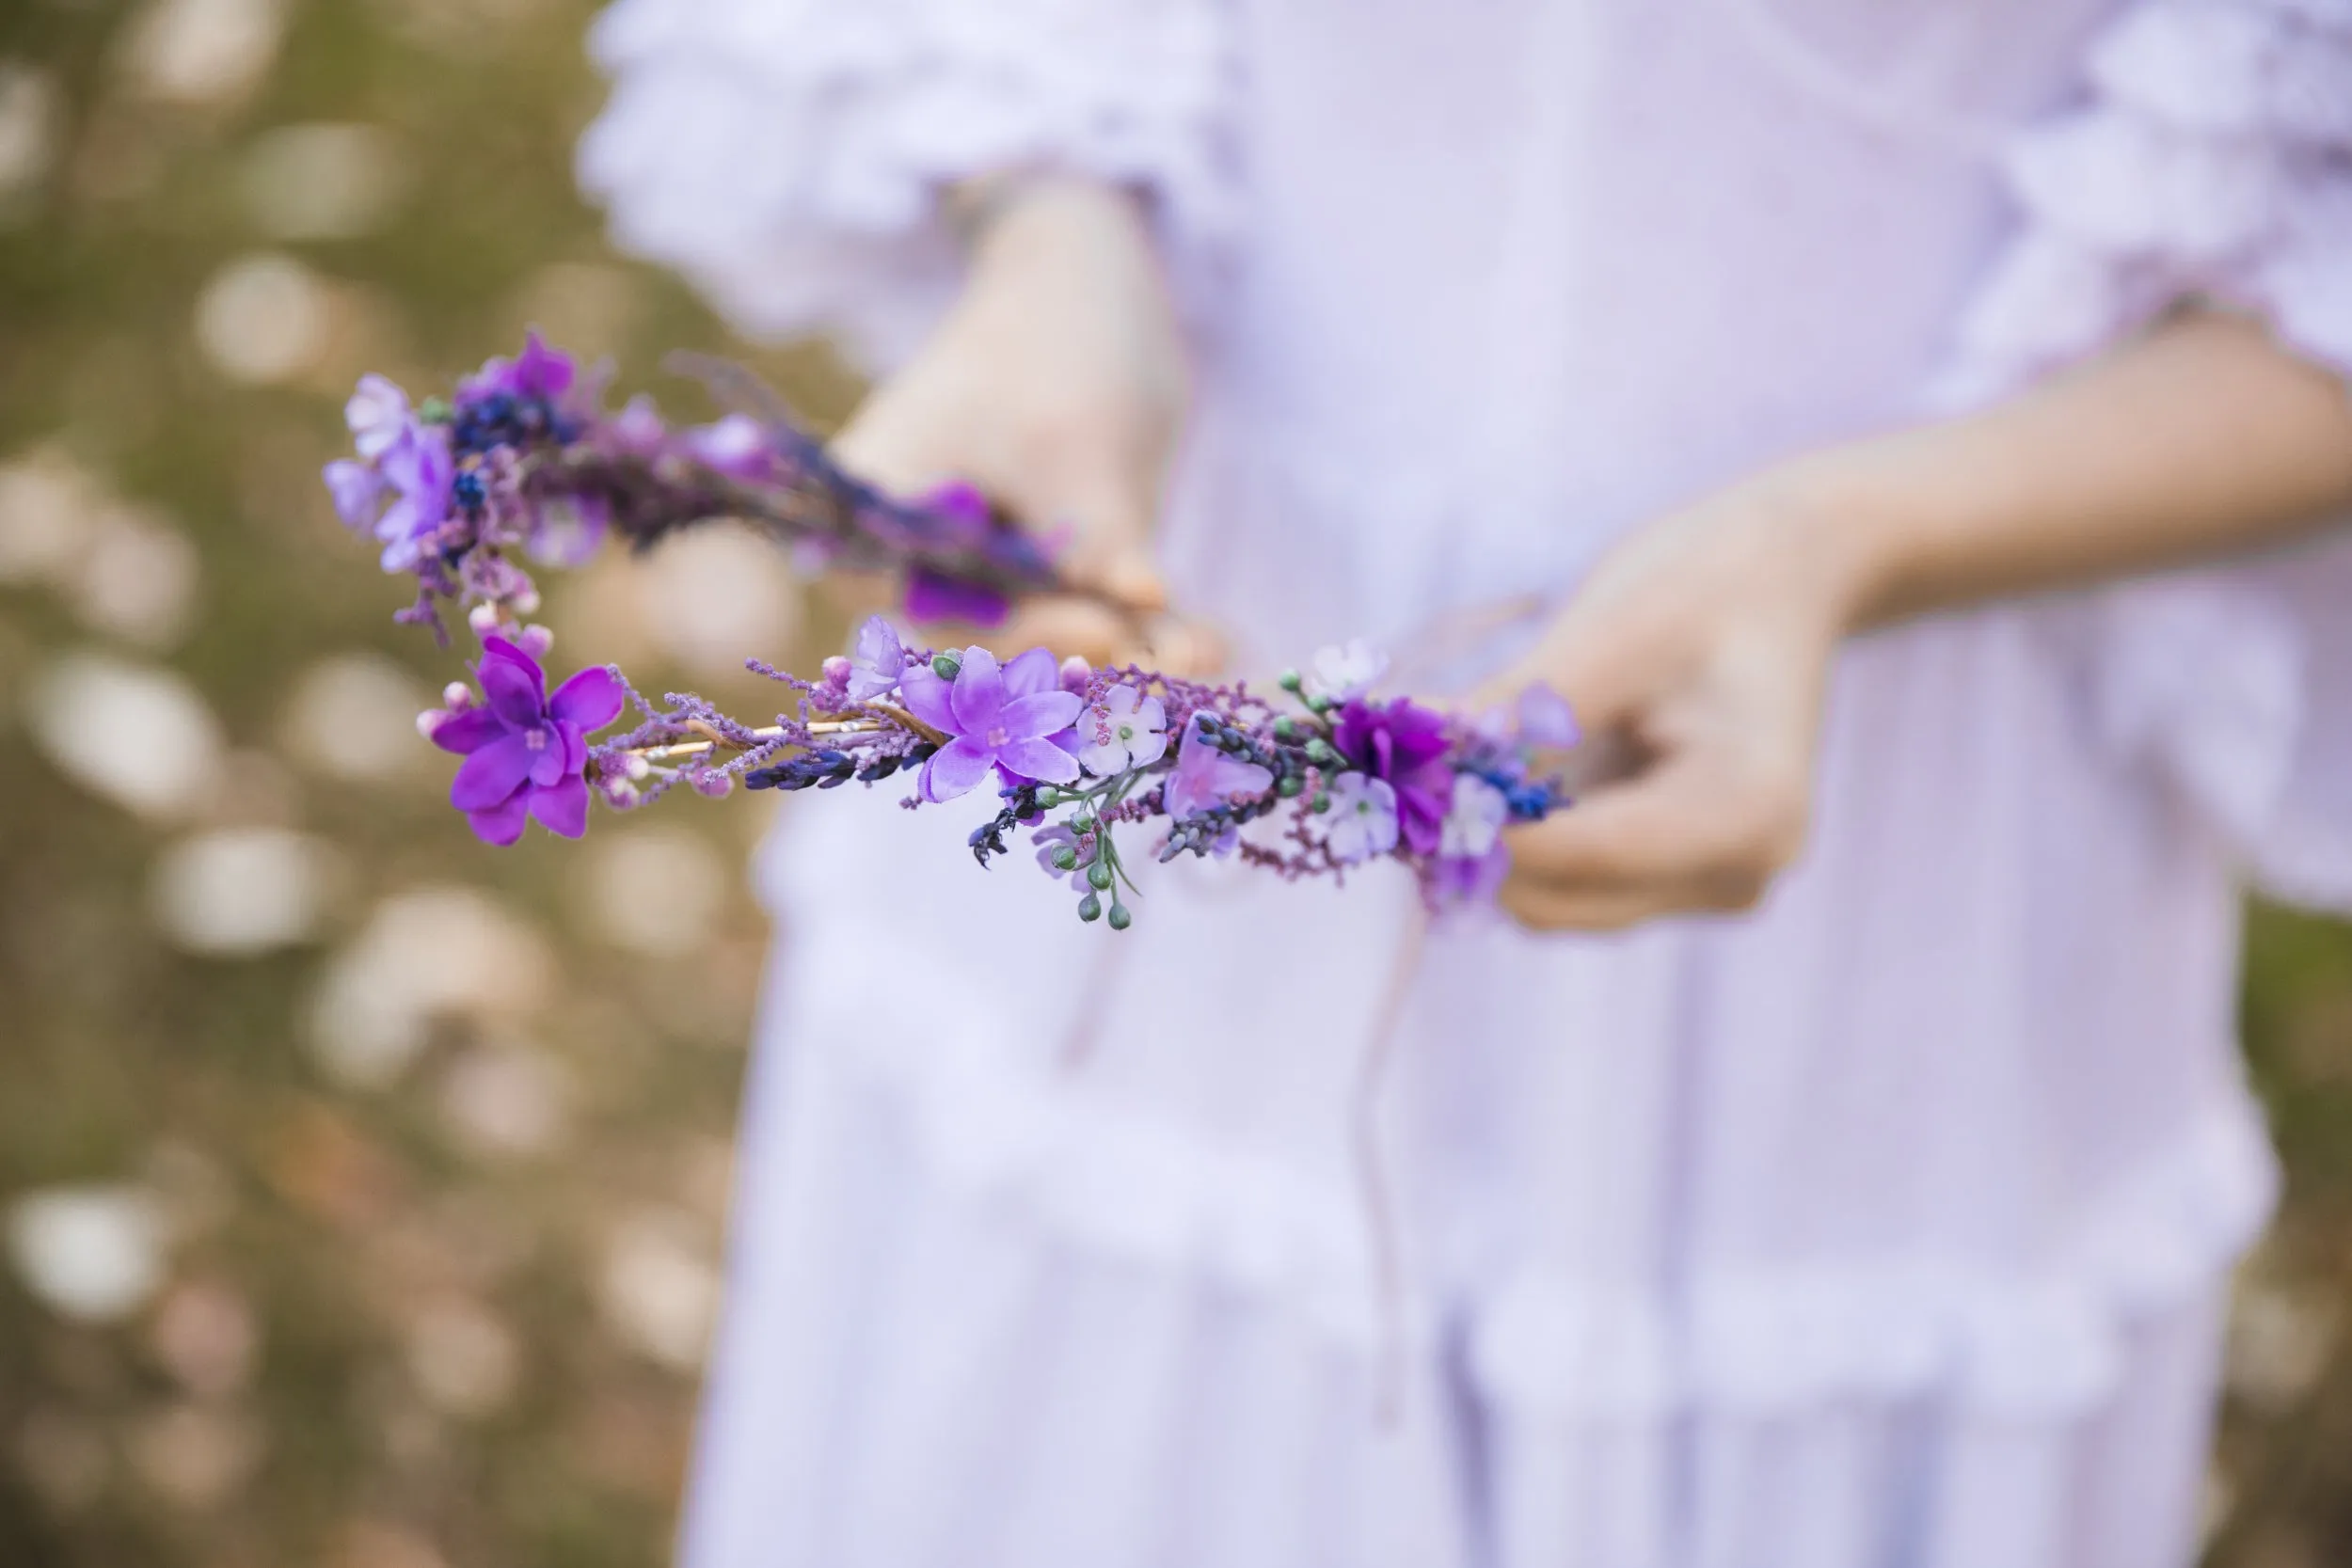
column 994, row 718
column 567, row 530
column 1362, row 822
column 636, row 429
column 1546, row 719
column 1124, row 731
column 1338, row 675
column 1451, row 882
column 1051, row 841
column 419, row 468
column 526, row 752
column 1475, row 822
column 358, row 490
column 735, row 446
column 1404, row 744
column 876, row 660
column 1206, row 778
column 377, row 415
column 538, row 372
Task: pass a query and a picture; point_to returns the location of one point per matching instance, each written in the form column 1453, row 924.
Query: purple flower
column 876, row 660
column 1546, row 719
column 1206, row 778
column 636, row 430
column 526, row 752
column 377, row 415
column 419, row 468
column 1362, row 822
column 567, row 530
column 934, row 596
column 1004, row 718
column 1403, row 744
column 1124, row 731
column 736, row 447
column 1452, row 882
column 358, row 491
column 538, row 372
column 1475, row 822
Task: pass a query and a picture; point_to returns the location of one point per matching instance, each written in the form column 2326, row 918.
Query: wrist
column 1845, row 514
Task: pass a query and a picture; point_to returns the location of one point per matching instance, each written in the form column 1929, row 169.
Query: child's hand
column 1694, row 656
column 1057, row 385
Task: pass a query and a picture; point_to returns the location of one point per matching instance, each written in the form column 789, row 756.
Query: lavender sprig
column 522, row 463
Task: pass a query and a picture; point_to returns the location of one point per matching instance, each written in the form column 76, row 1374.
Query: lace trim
column 788, row 157
column 1132, row 1187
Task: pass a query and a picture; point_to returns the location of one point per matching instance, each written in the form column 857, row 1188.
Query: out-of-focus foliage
column 360, row 1189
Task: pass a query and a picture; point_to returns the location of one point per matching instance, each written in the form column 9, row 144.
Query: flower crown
column 522, row 463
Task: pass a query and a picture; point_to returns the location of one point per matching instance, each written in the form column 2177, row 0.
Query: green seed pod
column 1320, row 754
column 1047, row 797
column 1099, row 875
column 435, row 410
column 1288, row 785
column 1286, row 728
column 1319, row 803
column 946, row 666
column 1291, row 682
column 1065, row 859
column 1121, row 919
column 1090, row 907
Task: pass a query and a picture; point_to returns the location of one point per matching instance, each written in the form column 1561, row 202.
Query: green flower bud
column 1319, row 753
column 1291, row 682
column 946, row 666
column 1047, row 797
column 1286, row 728
column 1065, row 859
column 1121, row 919
column 1099, row 875
column 1319, row 803
column 1288, row 785
column 435, row 410
column 1090, row 907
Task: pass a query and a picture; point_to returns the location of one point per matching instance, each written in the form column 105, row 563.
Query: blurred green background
column 361, row 1189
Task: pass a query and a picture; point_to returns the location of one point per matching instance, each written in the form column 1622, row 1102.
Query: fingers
column 1680, row 837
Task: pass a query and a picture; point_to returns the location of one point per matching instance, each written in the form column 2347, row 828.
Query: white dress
column 1886, row 1226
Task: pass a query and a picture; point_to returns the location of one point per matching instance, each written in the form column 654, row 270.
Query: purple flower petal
column 512, row 693
column 963, row 506
column 979, row 692
column 934, row 596
column 467, row 732
column 1546, row 719
column 563, row 808
column 492, row 773
column 927, row 697
column 1038, row 714
column 502, row 823
column 1039, row 760
column 591, row 699
column 358, row 490
column 575, row 746
column 955, row 769
column 546, row 757
column 1035, row 670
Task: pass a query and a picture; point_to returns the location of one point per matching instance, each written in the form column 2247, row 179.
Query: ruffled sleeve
column 2211, row 159
column 789, row 155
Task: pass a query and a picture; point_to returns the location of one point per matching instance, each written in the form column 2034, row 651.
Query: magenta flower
column 1404, row 744
column 1206, row 778
column 526, row 752
column 538, row 372
column 1007, row 719
column 419, row 468
column 935, row 597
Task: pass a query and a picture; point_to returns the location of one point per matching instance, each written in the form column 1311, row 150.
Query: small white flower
column 1362, row 819
column 1124, row 731
column 1475, row 820
column 376, row 414
column 1339, row 673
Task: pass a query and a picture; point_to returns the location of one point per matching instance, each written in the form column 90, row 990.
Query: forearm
column 2202, row 439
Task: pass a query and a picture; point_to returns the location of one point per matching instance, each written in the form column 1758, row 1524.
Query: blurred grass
column 459, row 1355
